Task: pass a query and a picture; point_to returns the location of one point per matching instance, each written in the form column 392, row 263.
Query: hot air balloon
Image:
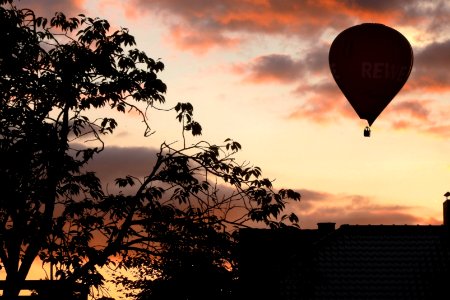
column 370, row 63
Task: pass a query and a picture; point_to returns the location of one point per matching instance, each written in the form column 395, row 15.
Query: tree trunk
column 13, row 285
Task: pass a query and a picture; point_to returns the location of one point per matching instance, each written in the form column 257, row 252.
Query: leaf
column 196, row 128
column 293, row 218
column 123, row 182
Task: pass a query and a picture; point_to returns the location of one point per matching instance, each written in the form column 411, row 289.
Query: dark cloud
column 316, row 59
column 378, row 6
column 435, row 55
column 309, row 198
column 313, row 196
column 273, row 67
column 115, row 162
column 48, row 8
column 430, row 70
column 283, row 68
column 327, row 88
column 433, row 16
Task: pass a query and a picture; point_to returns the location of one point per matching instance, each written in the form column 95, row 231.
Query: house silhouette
column 350, row 262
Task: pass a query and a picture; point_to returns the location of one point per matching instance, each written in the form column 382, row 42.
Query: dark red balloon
column 370, row 63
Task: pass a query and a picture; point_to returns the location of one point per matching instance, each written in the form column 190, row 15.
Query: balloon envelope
column 370, row 63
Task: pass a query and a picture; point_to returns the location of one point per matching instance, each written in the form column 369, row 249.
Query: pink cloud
column 322, row 102
column 318, row 109
column 316, row 207
column 412, row 108
column 199, row 42
column 292, row 18
column 200, row 26
column 236, row 17
column 425, row 116
column 439, row 130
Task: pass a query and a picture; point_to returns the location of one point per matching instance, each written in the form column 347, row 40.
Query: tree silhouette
column 179, row 219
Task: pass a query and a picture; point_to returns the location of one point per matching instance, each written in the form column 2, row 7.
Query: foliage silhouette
column 182, row 215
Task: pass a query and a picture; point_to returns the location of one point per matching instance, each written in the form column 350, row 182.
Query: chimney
column 325, row 228
column 447, row 209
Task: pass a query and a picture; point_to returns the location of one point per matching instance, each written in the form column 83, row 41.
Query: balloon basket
column 367, row 131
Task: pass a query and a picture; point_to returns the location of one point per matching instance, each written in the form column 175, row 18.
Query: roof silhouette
column 351, row 262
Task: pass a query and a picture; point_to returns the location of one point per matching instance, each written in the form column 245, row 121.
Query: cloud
column 321, row 102
column 439, row 130
column 316, row 207
column 115, row 162
column 432, row 16
column 200, row 25
column 316, row 59
column 298, row 19
column 188, row 38
column 271, row 68
column 412, row 108
column 425, row 116
column 430, row 72
column 243, row 17
column 377, row 6
column 284, row 68
column 48, row 8
column 319, row 98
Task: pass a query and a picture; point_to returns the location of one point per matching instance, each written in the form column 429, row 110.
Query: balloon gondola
column 370, row 63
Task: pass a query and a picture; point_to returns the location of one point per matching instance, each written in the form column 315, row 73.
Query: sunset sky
column 257, row 71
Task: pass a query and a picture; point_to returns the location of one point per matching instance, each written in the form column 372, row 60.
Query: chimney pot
column 326, row 227
column 447, row 210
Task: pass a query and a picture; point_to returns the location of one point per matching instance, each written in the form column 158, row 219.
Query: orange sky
column 257, row 71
